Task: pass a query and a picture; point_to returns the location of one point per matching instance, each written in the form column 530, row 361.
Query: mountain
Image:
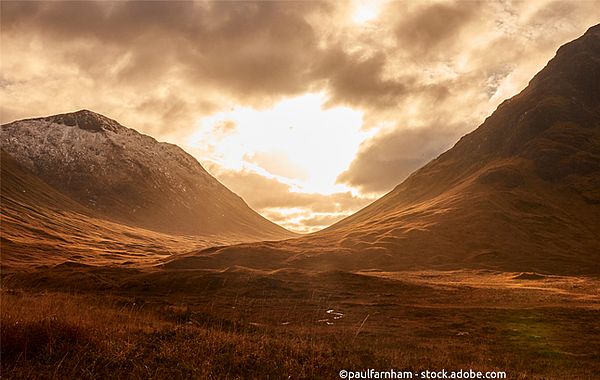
column 41, row 226
column 520, row 193
column 90, row 164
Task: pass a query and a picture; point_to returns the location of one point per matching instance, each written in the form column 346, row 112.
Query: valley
column 122, row 257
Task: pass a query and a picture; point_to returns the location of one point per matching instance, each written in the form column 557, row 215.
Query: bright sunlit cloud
column 365, row 11
column 297, row 138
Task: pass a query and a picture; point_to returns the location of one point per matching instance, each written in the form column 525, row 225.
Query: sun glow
column 298, row 138
column 365, row 11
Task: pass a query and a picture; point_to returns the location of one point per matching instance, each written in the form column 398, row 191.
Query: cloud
column 264, row 192
column 355, row 80
column 255, row 53
column 321, row 221
column 278, row 201
column 246, row 48
column 389, row 157
column 433, row 27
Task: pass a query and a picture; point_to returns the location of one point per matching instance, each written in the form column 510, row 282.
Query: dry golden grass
column 245, row 324
column 68, row 336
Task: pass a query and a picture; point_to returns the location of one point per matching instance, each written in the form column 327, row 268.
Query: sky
column 308, row 110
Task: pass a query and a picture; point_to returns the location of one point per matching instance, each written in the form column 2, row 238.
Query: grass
column 71, row 336
column 252, row 328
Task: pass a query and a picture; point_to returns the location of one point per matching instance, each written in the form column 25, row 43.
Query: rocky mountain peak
column 86, row 120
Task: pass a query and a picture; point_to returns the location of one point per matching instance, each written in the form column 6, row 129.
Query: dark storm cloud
column 255, row 52
column 245, row 48
column 358, row 81
column 388, row 158
column 431, row 28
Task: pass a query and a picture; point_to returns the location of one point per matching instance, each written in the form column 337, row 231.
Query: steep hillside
column 130, row 178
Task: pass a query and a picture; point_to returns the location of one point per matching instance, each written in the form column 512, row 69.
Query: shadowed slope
column 42, row 226
column 521, row 192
